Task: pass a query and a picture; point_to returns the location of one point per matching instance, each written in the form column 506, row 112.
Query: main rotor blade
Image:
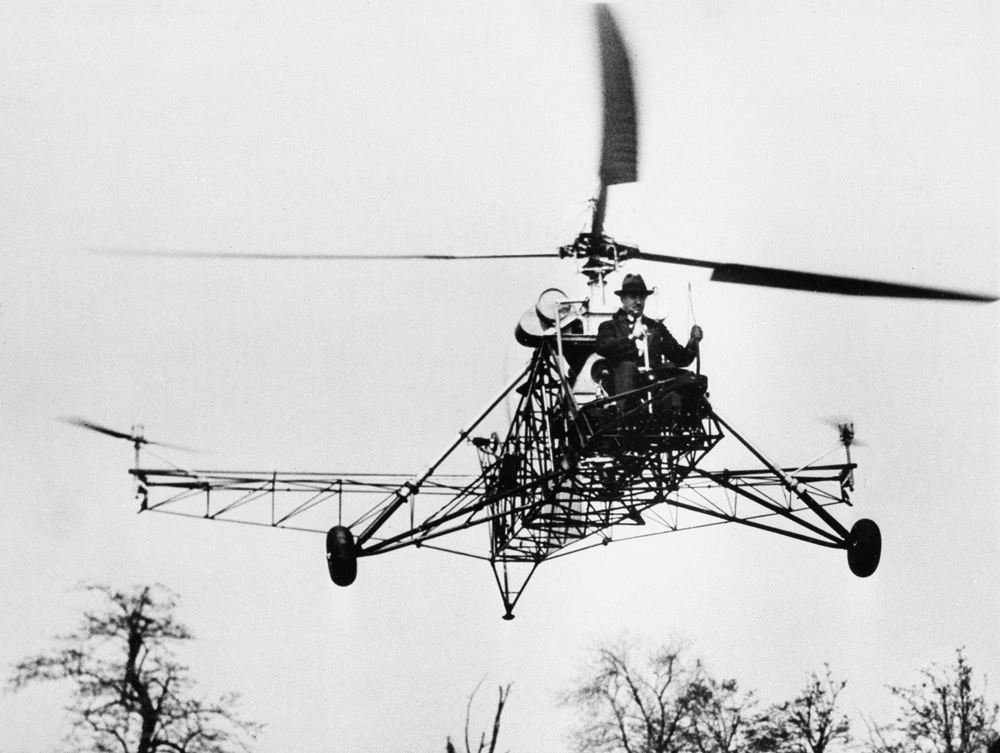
column 770, row 277
column 314, row 257
column 619, row 150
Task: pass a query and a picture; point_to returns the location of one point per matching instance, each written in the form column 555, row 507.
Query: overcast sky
column 854, row 138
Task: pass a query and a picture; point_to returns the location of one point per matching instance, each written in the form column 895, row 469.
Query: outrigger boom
column 570, row 475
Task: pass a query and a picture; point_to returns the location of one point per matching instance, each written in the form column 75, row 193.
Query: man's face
column 633, row 304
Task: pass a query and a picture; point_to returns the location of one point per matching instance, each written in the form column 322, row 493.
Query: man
column 631, row 341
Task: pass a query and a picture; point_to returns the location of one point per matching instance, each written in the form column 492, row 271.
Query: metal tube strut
column 412, row 486
column 790, row 483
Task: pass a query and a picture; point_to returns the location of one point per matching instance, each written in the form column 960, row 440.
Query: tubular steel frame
column 567, row 477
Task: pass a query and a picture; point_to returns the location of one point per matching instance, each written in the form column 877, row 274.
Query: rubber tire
column 341, row 556
column 864, row 548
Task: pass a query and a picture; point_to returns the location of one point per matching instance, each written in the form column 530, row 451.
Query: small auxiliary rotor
column 846, row 430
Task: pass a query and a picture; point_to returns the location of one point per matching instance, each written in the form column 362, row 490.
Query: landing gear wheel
column 864, row 548
column 341, row 556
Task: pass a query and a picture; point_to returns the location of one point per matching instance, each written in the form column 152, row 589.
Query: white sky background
column 853, row 138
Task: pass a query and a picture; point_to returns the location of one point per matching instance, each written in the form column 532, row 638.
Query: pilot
column 630, row 341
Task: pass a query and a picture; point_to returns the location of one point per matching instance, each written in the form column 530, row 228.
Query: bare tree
column 943, row 713
column 722, row 717
column 504, row 695
column 130, row 694
column 635, row 701
column 811, row 723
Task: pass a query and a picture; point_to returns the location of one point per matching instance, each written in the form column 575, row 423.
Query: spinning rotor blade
column 619, row 144
column 134, row 438
column 835, row 422
column 84, row 424
column 619, row 150
column 619, row 157
column 770, row 277
column 819, row 283
column 845, row 428
column 313, row 257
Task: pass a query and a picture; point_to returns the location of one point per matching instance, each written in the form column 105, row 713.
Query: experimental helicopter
column 578, row 467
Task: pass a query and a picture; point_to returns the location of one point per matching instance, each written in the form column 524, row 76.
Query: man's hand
column 638, row 331
column 696, row 336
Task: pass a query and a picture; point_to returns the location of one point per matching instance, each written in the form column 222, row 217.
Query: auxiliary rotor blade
column 770, row 277
column 619, row 147
column 85, row 424
column 836, row 422
column 314, row 257
column 182, row 448
column 845, row 428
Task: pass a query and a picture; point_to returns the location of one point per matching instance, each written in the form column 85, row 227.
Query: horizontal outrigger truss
column 561, row 482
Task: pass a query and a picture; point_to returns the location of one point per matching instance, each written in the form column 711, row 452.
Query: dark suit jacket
column 614, row 344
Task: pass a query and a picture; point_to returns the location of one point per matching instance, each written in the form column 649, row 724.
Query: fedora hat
column 633, row 285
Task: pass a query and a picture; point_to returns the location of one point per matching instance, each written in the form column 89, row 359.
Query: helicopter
column 571, row 472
